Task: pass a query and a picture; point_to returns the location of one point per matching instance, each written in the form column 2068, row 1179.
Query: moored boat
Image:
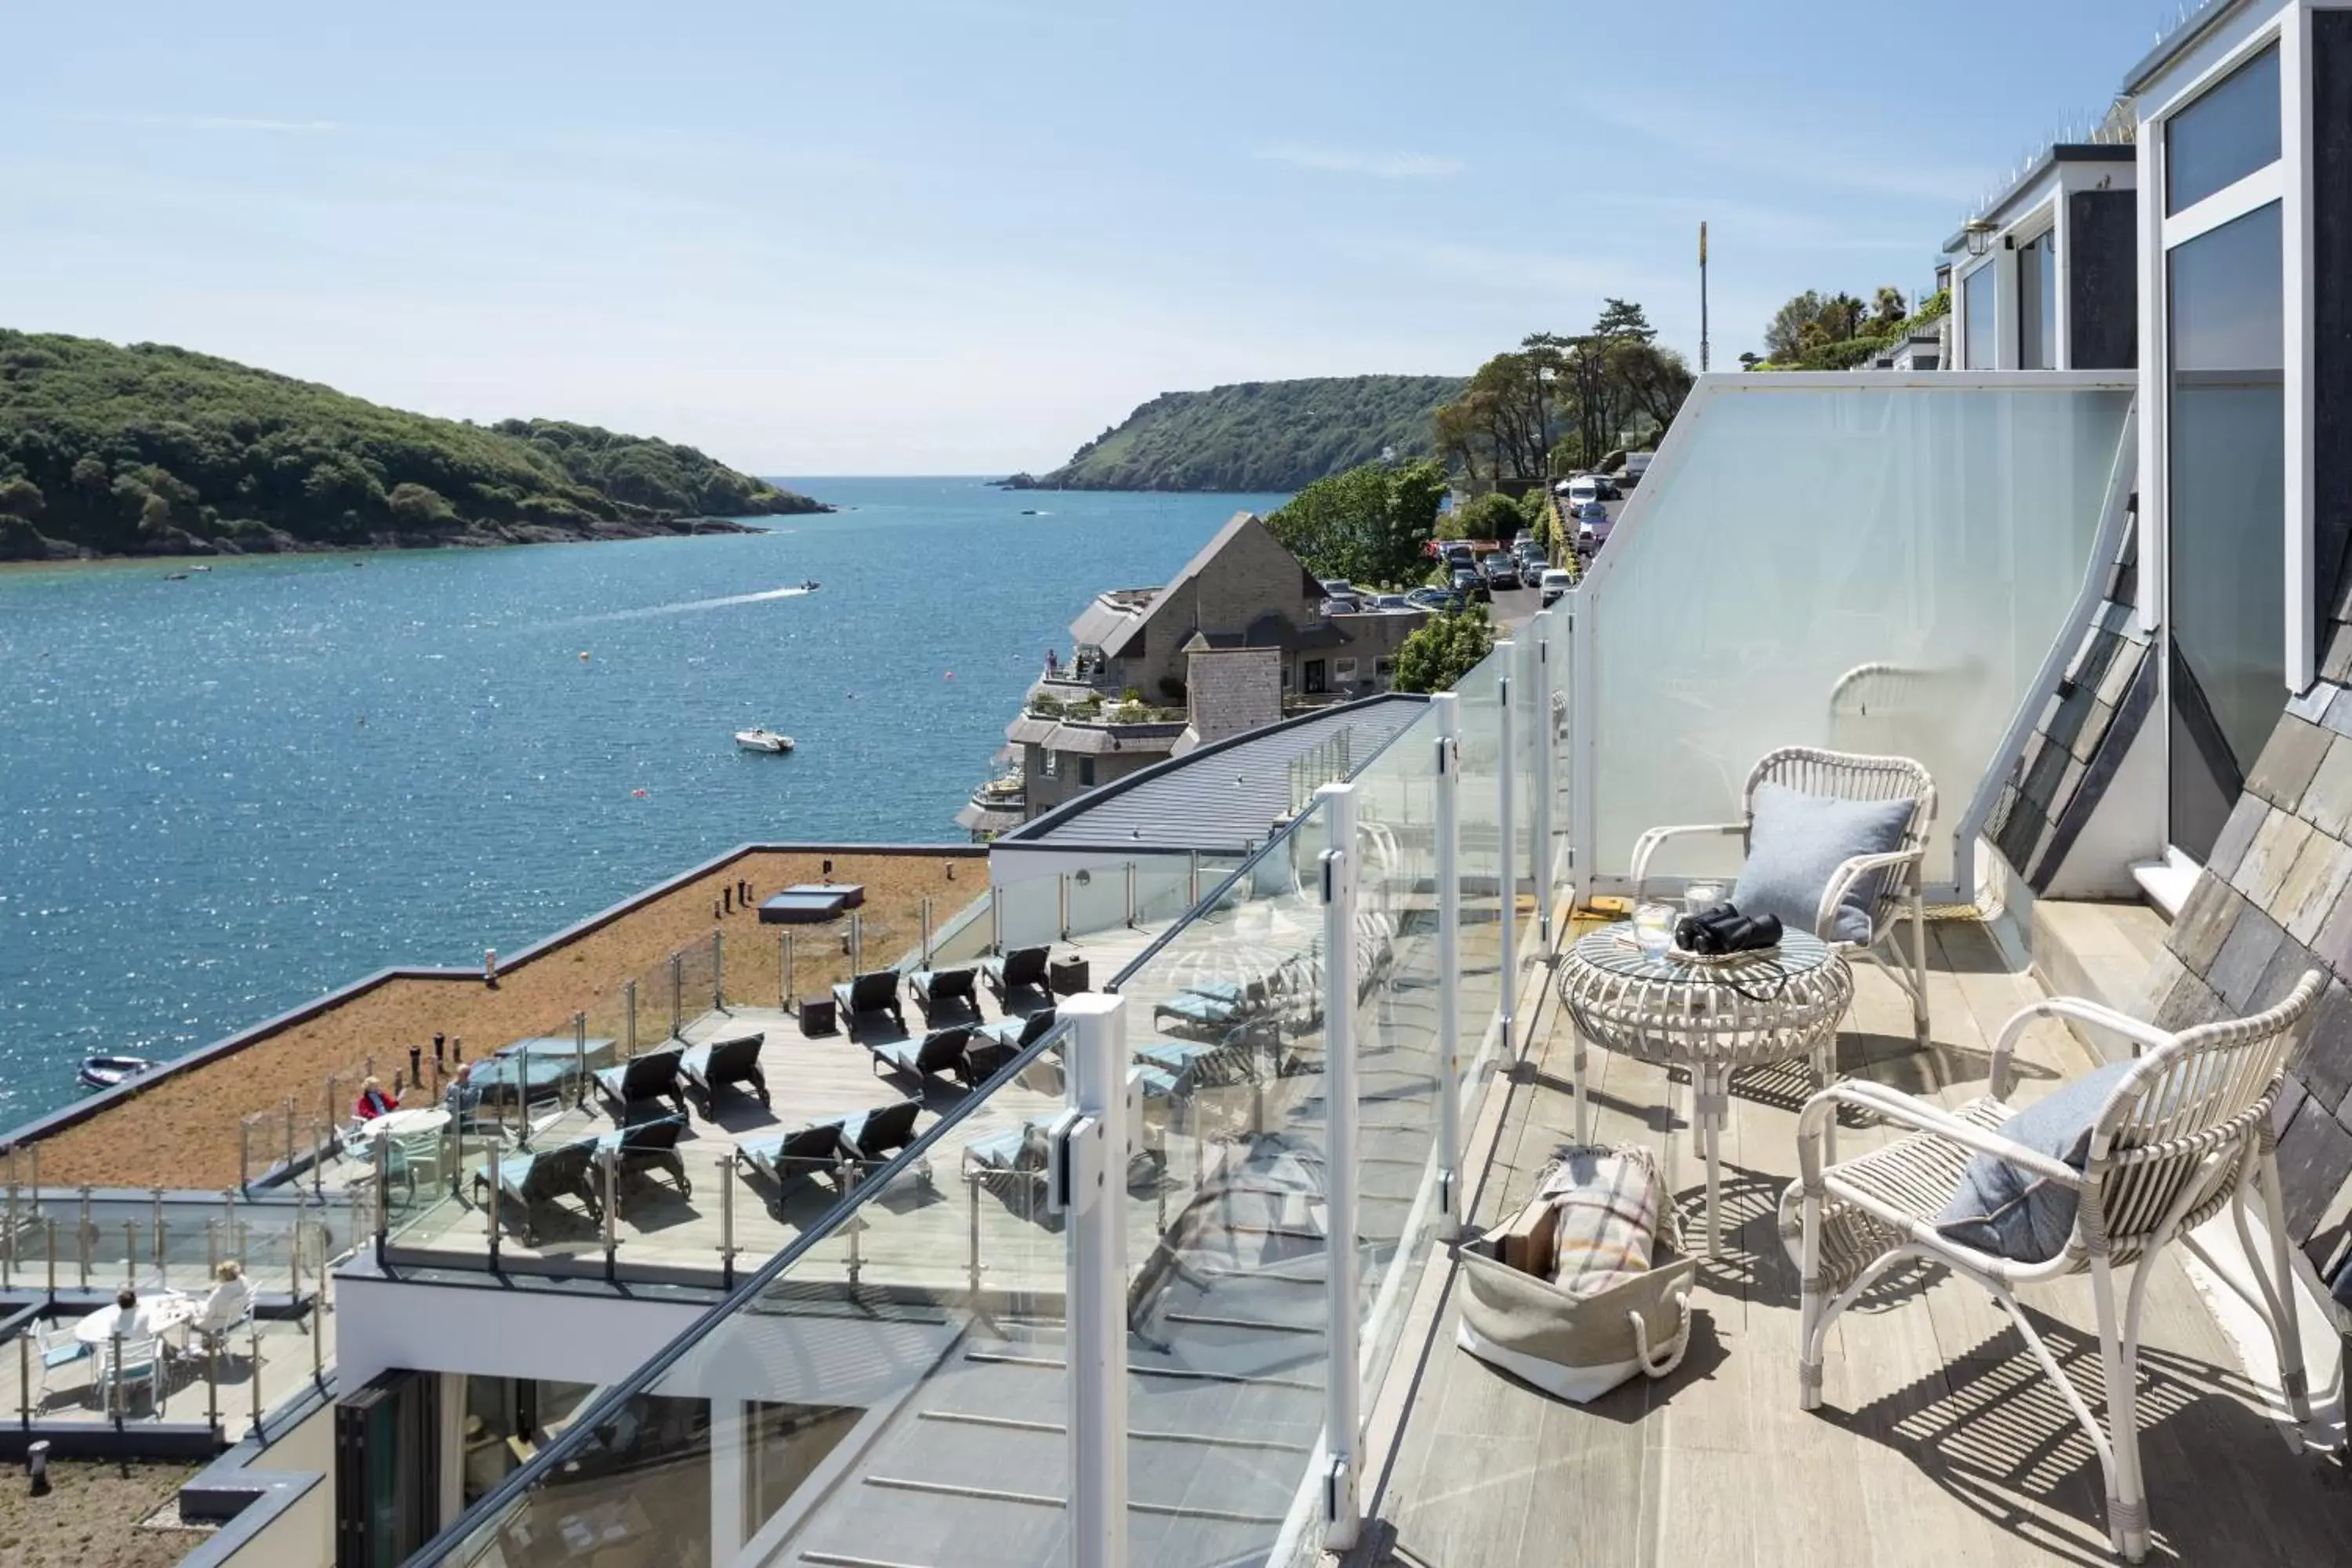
column 105, row 1072
column 759, row 739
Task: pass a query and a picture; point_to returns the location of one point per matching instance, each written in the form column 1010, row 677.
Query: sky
column 873, row 236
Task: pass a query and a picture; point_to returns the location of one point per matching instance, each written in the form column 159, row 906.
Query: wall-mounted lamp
column 1979, row 234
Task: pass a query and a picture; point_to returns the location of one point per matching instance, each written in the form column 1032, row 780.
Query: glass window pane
column 2225, row 135
column 2037, row 303
column 1977, row 289
column 2226, row 530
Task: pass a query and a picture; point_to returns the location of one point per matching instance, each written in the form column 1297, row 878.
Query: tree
column 20, row 496
column 1367, row 525
column 419, row 506
column 1888, row 308
column 1499, row 420
column 1784, row 335
column 1623, row 319
column 1492, row 516
column 1444, row 649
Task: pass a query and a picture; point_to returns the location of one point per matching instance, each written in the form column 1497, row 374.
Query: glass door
column 2225, row 447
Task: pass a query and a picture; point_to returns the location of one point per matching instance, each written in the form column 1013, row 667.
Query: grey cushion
column 2011, row 1213
column 1796, row 845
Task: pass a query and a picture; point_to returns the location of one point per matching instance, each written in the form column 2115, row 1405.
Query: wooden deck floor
column 1940, row 1441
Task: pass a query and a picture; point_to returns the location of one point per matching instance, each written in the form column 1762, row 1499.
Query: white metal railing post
column 1507, row 824
column 1341, row 1423
column 1446, row 709
column 1539, row 779
column 1087, row 1185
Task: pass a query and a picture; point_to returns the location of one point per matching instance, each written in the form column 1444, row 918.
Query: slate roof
column 1224, row 796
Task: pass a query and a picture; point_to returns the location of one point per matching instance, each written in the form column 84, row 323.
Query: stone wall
column 2087, row 726
column 1230, row 691
column 2276, row 899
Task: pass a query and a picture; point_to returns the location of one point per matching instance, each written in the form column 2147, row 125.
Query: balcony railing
column 1268, row 1037
column 1296, row 1048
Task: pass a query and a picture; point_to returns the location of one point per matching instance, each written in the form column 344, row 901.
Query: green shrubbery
column 119, row 448
column 1445, row 648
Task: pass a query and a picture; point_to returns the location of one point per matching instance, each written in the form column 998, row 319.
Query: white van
column 1583, row 488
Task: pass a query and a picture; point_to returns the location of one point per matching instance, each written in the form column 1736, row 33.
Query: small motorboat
column 105, row 1072
column 811, row 586
column 757, row 740
column 175, row 577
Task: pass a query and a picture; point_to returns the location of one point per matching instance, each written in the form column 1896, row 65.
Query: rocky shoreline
column 20, row 543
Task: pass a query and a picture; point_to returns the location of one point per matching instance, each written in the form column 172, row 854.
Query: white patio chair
column 127, row 1365
column 55, row 1350
column 1847, row 776
column 2186, row 1132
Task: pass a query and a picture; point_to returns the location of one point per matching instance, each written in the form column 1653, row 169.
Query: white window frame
column 2288, row 183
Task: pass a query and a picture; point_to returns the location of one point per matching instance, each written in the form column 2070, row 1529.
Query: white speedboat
column 762, row 741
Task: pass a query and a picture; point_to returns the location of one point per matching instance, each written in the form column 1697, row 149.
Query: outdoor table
column 157, row 1316
column 400, row 1123
column 1711, row 1017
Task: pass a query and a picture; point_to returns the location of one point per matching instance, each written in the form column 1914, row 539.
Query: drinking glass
column 1654, row 929
column 1700, row 897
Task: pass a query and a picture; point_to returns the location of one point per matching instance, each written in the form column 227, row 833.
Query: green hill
column 1259, row 435
column 155, row 450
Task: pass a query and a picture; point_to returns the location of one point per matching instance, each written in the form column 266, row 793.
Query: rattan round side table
column 1712, row 1018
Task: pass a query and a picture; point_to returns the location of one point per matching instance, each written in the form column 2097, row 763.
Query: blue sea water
column 223, row 795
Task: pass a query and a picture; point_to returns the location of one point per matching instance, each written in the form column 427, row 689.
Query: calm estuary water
column 221, row 797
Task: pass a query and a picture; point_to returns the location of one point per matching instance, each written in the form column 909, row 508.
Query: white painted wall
column 383, row 1323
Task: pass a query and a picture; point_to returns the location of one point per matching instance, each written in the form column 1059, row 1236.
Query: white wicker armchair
column 2185, row 1132
column 1847, row 776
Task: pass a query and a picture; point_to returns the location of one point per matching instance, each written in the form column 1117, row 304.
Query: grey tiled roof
column 1219, row 797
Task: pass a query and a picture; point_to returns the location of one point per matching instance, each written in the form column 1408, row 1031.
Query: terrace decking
column 1940, row 1439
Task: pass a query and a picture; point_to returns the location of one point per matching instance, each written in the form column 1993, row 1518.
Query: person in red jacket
column 373, row 1102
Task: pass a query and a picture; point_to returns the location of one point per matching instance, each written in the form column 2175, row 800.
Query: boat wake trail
column 688, row 607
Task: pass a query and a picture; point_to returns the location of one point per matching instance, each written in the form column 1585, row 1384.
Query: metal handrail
column 600, row 1410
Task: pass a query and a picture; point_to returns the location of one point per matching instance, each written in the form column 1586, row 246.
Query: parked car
column 1502, row 571
column 1436, row 601
column 1556, row 583
column 1339, row 606
column 1469, row 585
column 1592, row 511
column 1460, row 557
column 1584, row 489
column 1532, row 568
column 1392, row 603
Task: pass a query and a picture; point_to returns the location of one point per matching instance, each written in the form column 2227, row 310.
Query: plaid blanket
column 1605, row 1206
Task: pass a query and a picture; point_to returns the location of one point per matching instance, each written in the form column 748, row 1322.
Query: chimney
column 1231, row 690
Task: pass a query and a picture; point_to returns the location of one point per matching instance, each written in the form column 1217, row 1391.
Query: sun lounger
column 931, row 987
column 1016, row 1034
column 873, row 1136
column 785, row 1157
column 641, row 1083
column 1012, row 1164
column 859, row 1000
column 1191, row 1010
column 1022, row 969
column 941, row 1050
column 707, row 1068
column 648, row 1146
column 531, row 1181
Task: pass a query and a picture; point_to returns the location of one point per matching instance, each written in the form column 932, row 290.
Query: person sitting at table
column 127, row 1321
column 373, row 1102
column 229, row 1304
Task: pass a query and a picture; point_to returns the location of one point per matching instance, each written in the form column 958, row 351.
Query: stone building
column 1125, row 699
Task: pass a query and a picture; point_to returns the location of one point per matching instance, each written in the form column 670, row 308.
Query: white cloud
column 1379, row 166
column 221, row 122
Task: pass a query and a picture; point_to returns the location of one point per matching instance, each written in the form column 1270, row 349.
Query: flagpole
column 1702, row 297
